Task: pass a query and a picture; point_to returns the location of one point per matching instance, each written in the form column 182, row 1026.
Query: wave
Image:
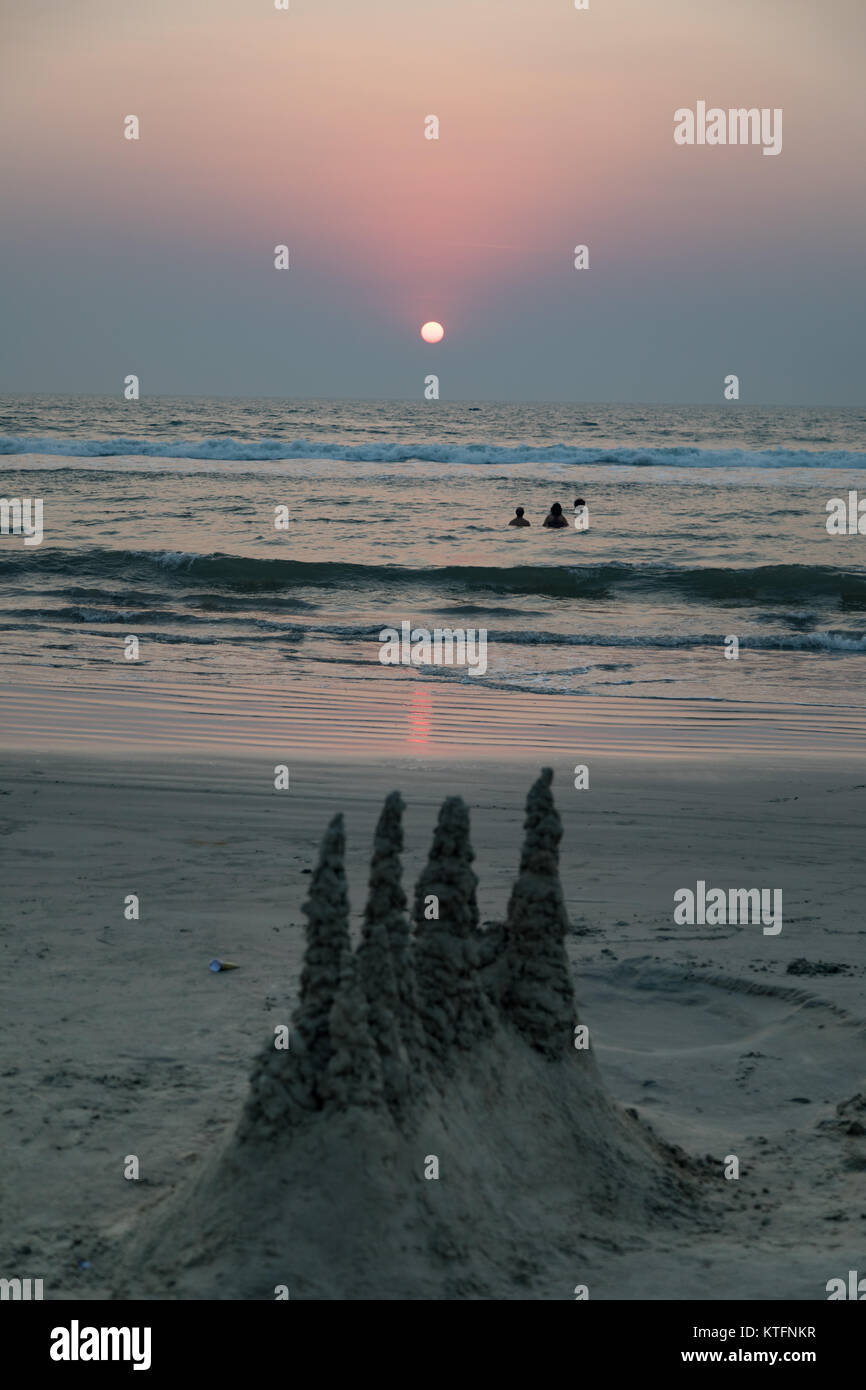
column 768, row 642
column 784, row 584
column 842, row 642
column 761, row 642
column 256, row 633
column 228, row 450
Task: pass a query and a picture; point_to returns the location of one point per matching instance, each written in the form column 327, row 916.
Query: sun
column 432, row 332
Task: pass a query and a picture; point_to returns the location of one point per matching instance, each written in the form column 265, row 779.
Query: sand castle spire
column 354, row 1071
column 390, row 831
column 327, row 914
column 454, row 1008
column 538, row 996
column 383, row 958
column 286, row 1084
column 389, row 877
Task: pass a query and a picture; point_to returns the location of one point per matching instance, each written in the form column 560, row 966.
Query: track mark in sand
column 758, row 1050
column 652, row 974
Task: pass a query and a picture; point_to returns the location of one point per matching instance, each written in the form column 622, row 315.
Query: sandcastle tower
column 355, row 1074
column 537, row 991
column 454, row 1007
column 287, row 1084
column 384, row 962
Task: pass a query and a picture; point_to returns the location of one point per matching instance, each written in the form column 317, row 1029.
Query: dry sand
column 117, row 1039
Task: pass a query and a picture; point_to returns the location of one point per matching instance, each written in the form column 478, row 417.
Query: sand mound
column 432, row 1131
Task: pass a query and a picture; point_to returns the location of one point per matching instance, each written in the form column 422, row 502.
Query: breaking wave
column 786, row 584
column 229, row 449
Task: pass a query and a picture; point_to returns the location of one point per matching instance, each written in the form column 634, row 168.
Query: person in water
column 519, row 519
column 554, row 518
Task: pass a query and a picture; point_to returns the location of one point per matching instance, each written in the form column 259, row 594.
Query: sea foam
column 228, row 449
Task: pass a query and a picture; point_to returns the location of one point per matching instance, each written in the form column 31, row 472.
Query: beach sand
column 117, row 1040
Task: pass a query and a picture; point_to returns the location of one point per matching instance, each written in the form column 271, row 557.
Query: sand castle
column 381, row 1024
column 432, row 1130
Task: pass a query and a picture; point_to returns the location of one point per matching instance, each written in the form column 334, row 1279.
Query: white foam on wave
column 229, row 450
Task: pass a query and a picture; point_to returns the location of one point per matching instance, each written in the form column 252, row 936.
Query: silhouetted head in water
column 579, row 502
column 518, row 519
column 519, row 512
column 554, row 519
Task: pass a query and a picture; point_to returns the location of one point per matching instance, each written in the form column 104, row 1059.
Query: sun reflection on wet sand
column 420, row 716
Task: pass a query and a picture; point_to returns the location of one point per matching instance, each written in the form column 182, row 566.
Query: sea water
column 705, row 523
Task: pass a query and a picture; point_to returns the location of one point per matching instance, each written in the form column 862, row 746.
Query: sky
column 261, row 127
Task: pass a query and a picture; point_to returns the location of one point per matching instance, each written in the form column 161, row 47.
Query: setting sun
column 432, row 332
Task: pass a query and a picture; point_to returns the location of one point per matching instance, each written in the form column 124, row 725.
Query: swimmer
column 554, row 519
column 519, row 519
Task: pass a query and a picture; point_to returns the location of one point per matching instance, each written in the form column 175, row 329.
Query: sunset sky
column 306, row 127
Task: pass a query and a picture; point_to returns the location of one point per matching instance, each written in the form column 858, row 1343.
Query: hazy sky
column 261, row 127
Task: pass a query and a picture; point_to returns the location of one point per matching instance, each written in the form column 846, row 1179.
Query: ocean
column 705, row 523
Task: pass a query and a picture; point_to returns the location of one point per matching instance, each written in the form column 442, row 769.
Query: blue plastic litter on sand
column 215, row 966
column 83, row 1264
